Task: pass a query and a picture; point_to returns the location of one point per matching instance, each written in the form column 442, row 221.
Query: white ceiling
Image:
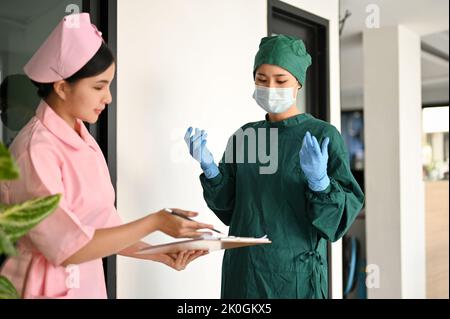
column 428, row 18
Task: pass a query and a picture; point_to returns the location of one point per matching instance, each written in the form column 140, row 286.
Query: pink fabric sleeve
column 114, row 219
column 61, row 234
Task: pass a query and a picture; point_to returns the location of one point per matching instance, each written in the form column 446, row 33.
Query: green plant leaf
column 8, row 168
column 7, row 290
column 6, row 246
column 17, row 220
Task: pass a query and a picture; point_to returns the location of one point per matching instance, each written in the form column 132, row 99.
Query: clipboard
column 210, row 244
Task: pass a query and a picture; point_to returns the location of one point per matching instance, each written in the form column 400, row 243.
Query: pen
column 185, row 217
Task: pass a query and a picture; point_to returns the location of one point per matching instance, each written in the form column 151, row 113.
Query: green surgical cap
column 285, row 51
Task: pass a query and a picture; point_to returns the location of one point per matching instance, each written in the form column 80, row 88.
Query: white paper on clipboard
column 209, row 243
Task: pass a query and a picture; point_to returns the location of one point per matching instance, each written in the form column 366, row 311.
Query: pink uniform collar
column 55, row 124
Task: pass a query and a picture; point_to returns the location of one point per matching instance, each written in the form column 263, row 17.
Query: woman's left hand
column 180, row 260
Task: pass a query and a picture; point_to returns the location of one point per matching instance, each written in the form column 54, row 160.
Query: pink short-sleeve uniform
column 54, row 158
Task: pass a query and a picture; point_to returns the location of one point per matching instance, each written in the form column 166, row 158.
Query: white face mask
column 274, row 100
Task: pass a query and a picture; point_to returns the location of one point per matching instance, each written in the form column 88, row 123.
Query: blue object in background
column 353, row 134
column 351, row 266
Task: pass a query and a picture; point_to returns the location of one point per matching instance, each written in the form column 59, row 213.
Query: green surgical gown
column 297, row 220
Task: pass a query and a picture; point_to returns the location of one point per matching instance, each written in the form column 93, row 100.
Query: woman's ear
column 61, row 89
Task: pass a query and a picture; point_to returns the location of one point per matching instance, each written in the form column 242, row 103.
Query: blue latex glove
column 198, row 150
column 313, row 161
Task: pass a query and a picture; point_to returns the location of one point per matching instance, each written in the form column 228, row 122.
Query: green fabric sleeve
column 333, row 210
column 219, row 192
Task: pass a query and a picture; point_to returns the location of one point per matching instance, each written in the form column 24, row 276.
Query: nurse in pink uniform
column 61, row 256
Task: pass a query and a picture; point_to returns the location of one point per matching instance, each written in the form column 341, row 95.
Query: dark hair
column 96, row 65
column 17, row 96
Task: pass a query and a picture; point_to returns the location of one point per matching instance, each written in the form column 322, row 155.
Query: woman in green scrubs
column 310, row 198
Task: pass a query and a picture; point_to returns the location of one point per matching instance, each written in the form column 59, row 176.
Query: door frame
column 104, row 16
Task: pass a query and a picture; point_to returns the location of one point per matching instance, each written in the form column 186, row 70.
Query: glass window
column 24, row 26
column 435, row 143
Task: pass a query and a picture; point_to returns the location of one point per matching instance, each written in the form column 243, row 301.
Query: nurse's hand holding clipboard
column 125, row 239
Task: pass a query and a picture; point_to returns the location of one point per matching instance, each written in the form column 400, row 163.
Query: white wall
column 180, row 63
column 183, row 63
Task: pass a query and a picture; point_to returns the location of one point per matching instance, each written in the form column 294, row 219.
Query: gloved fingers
column 304, row 144
column 195, row 142
column 196, row 138
column 305, row 157
column 203, row 143
column 204, row 136
column 303, row 151
column 316, row 147
column 191, row 144
column 309, row 140
column 325, row 143
column 197, row 133
column 187, row 135
column 203, row 139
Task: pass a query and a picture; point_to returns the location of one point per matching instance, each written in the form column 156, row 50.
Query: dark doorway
column 104, row 15
column 313, row 30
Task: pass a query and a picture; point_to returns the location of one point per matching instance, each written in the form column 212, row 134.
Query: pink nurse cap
column 68, row 48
